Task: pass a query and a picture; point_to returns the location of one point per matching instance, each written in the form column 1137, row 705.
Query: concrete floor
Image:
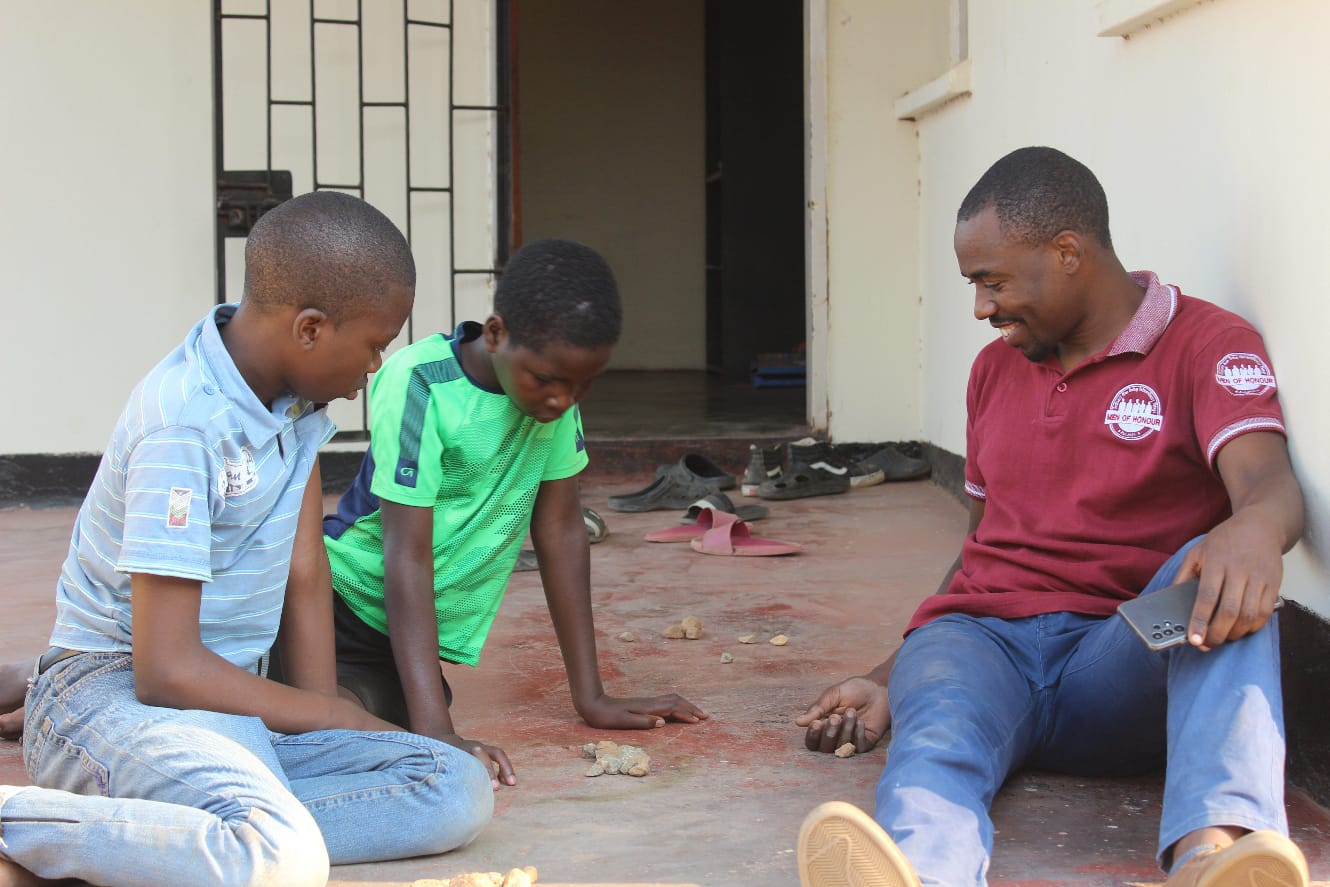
column 725, row 798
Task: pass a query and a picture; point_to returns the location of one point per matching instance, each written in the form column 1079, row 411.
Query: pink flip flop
column 730, row 537
column 686, row 532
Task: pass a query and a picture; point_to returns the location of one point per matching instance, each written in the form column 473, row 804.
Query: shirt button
column 1062, row 386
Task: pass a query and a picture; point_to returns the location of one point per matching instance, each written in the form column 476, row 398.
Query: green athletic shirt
column 440, row 440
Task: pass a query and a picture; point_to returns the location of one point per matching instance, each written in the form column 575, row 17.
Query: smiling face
column 543, row 384
column 1023, row 290
column 338, row 358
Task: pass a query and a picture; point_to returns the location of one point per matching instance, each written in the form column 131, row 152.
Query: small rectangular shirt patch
column 177, row 510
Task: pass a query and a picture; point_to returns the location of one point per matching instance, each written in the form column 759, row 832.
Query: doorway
column 670, row 138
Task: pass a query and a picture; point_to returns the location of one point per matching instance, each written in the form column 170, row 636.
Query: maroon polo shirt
column 1093, row 478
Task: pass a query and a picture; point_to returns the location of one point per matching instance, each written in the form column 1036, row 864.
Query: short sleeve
column 170, row 480
column 404, row 436
column 568, row 447
column 1234, row 390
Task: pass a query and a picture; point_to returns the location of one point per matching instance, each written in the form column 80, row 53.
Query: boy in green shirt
column 476, row 438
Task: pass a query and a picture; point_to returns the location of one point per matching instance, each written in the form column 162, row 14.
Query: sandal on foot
column 840, row 845
column 730, row 537
column 1262, row 857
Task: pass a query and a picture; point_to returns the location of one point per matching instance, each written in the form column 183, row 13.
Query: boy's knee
column 464, row 797
column 292, row 854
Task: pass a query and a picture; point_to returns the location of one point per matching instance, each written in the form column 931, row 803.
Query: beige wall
column 611, row 153
column 1207, row 133
column 106, row 238
column 875, row 51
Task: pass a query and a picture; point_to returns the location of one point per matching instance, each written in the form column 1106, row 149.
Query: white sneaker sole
column 841, row 846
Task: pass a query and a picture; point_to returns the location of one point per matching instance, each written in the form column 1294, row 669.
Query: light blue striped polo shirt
column 200, row 480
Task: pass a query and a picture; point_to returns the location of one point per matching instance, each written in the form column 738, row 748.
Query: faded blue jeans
column 975, row 699
column 135, row 794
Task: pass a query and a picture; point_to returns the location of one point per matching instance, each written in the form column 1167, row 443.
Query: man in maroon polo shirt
column 1122, row 436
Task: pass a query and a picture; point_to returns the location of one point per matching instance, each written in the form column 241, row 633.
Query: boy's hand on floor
column 490, row 755
column 856, row 710
column 11, row 724
column 639, row 713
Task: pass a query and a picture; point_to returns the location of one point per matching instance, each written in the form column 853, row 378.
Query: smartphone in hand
column 1161, row 617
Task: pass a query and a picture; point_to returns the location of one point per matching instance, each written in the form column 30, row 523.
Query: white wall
column 1208, row 134
column 876, row 50
column 611, row 122
column 106, row 237
column 106, row 133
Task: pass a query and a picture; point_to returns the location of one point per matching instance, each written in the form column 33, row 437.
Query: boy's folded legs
column 229, row 797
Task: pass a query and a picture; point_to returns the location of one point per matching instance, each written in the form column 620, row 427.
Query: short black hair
column 559, row 291
column 1038, row 193
column 325, row 250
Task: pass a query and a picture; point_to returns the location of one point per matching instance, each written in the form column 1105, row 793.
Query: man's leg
column 141, row 795
column 438, row 797
column 963, row 716
column 1221, row 713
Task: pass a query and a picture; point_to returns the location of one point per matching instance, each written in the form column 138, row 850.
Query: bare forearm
column 205, row 681
column 561, row 546
column 413, row 632
column 1276, row 504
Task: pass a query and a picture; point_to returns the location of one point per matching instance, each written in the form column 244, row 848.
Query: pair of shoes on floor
column 813, row 468
column 596, row 531
column 841, row 846
column 722, row 533
column 809, row 467
column 1264, row 858
column 677, row 485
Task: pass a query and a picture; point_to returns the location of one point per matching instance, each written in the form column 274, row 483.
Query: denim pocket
column 56, row 761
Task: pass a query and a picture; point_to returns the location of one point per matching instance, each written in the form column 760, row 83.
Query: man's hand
column 491, row 756
column 1240, row 562
column 855, row 710
column 11, row 724
column 1240, row 571
column 639, row 713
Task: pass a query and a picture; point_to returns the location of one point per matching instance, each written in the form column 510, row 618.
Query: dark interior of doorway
column 754, row 181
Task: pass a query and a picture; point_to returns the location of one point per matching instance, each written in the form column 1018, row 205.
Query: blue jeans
column 975, row 699
column 135, row 794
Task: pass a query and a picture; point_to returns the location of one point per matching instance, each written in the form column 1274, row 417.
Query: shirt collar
column 259, row 424
column 1156, row 311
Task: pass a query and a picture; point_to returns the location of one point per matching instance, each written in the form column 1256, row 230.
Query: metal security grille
column 399, row 102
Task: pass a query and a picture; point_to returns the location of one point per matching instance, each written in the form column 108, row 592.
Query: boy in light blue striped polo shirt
column 147, row 726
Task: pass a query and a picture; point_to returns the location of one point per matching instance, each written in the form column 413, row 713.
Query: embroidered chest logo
column 177, row 508
column 242, row 475
column 1135, row 412
column 1244, row 375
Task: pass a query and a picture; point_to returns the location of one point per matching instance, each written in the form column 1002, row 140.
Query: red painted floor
column 724, row 800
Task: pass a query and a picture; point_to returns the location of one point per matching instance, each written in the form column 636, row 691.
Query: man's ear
column 1070, row 251
column 308, row 326
column 496, row 333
